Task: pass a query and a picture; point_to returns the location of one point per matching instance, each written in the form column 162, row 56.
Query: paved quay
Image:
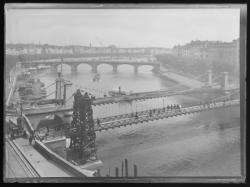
column 184, row 80
column 45, row 168
column 14, row 167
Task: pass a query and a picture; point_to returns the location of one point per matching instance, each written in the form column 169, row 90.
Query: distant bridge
column 111, row 100
column 94, row 63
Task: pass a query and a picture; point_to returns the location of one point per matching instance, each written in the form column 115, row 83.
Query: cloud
column 122, row 27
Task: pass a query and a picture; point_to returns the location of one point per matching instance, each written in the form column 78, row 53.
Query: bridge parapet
column 94, row 63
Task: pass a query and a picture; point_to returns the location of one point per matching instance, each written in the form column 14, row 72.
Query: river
column 202, row 144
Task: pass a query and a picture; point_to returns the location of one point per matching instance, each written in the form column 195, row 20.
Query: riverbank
column 10, row 87
column 181, row 79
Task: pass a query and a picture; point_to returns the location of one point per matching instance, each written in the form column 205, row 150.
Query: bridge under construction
column 82, row 159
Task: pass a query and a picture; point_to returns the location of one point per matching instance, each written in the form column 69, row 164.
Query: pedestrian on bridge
column 30, row 139
column 178, row 107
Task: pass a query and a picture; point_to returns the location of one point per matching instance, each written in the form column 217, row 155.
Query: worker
column 30, row 139
column 12, row 134
column 136, row 116
column 98, row 122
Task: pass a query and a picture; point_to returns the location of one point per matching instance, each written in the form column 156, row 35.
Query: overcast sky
column 121, row 27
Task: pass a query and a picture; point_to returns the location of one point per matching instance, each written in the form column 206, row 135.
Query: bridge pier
column 135, row 69
column 157, row 68
column 82, row 146
column 115, row 68
column 209, row 83
column 53, row 68
column 60, row 89
column 225, row 83
column 94, row 68
column 74, row 68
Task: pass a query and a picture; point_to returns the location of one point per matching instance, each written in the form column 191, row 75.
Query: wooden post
column 122, row 168
column 135, row 170
column 116, row 172
column 126, row 167
column 98, row 172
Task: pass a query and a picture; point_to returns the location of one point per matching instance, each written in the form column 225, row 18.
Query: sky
column 120, row 27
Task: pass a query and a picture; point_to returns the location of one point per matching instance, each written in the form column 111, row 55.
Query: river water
column 202, row 144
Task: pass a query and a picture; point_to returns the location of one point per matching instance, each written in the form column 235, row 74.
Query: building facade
column 32, row 49
column 210, row 50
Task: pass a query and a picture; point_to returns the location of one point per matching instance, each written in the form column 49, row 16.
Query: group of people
column 169, row 107
column 153, row 111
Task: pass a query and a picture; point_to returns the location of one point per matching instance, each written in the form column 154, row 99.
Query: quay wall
column 62, row 162
column 56, row 158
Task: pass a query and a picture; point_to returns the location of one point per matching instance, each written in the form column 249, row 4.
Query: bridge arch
column 57, row 121
column 84, row 66
column 146, row 66
column 130, row 66
column 105, row 64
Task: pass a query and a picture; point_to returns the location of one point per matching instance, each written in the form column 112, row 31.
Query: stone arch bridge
column 94, row 63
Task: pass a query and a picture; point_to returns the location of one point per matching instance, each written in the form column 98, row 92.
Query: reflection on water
column 201, row 144
column 145, row 80
column 180, row 146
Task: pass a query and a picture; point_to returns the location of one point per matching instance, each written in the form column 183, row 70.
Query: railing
column 22, row 159
column 156, row 114
column 94, row 59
